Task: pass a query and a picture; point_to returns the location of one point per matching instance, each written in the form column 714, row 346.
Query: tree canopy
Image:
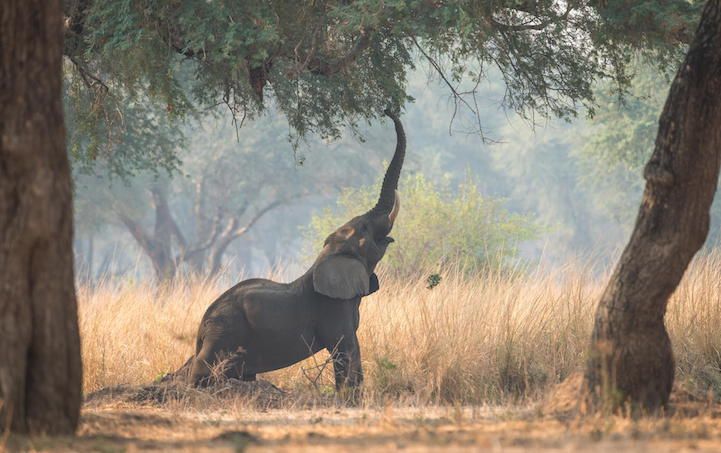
column 327, row 65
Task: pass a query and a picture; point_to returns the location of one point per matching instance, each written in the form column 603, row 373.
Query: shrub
column 436, row 226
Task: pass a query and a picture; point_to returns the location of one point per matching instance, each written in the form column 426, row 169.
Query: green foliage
column 624, row 129
column 644, row 23
column 437, row 227
column 160, row 376
column 433, row 280
column 135, row 133
column 329, row 65
column 621, row 140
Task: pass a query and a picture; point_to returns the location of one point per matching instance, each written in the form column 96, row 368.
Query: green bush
column 437, row 227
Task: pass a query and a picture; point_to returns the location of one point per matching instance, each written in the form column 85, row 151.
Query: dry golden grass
column 457, row 367
column 503, row 337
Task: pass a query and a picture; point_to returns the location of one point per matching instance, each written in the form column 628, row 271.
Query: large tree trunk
column 40, row 369
column 631, row 359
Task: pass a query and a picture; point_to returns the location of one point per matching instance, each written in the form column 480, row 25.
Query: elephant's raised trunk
column 387, row 198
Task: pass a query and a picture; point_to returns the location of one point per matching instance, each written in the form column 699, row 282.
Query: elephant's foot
column 349, row 383
column 200, row 375
column 348, row 370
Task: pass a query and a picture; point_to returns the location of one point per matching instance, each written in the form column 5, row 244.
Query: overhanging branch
column 318, row 66
column 457, row 97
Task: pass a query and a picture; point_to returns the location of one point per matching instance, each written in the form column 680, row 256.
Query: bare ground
column 259, row 417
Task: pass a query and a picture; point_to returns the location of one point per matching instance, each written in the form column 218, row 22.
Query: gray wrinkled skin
column 260, row 325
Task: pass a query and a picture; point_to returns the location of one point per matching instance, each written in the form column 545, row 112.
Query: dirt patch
column 382, row 429
column 261, row 393
column 566, row 401
column 129, row 426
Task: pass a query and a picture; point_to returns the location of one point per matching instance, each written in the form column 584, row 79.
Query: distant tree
column 87, row 228
column 40, row 369
column 229, row 191
column 620, row 141
column 187, row 220
column 169, row 248
column 543, row 181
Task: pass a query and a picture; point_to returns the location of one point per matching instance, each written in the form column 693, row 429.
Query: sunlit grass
column 494, row 338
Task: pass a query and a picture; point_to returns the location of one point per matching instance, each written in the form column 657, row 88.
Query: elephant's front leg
column 338, row 335
column 346, row 358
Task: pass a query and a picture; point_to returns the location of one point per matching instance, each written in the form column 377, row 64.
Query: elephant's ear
column 374, row 285
column 341, row 277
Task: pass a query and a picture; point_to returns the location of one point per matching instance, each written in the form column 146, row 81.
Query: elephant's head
column 345, row 267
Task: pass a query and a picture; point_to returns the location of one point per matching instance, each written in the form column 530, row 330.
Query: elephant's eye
column 344, row 233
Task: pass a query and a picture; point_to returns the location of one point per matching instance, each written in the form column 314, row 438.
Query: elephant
column 260, row 325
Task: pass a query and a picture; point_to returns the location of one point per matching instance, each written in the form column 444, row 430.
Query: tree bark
column 159, row 246
column 631, row 360
column 40, row 368
column 165, row 228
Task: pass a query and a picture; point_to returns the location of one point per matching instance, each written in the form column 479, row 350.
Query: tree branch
column 187, row 254
column 520, row 27
column 141, row 237
column 237, row 232
column 319, row 67
column 233, row 231
column 258, row 215
column 457, row 97
column 90, row 80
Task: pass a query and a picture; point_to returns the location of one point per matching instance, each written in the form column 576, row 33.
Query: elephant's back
column 230, row 302
column 246, row 286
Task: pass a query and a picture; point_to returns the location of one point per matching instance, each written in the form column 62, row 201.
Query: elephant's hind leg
column 220, row 357
column 205, row 364
column 200, row 372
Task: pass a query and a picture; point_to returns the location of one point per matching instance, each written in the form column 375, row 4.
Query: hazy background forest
column 250, row 197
